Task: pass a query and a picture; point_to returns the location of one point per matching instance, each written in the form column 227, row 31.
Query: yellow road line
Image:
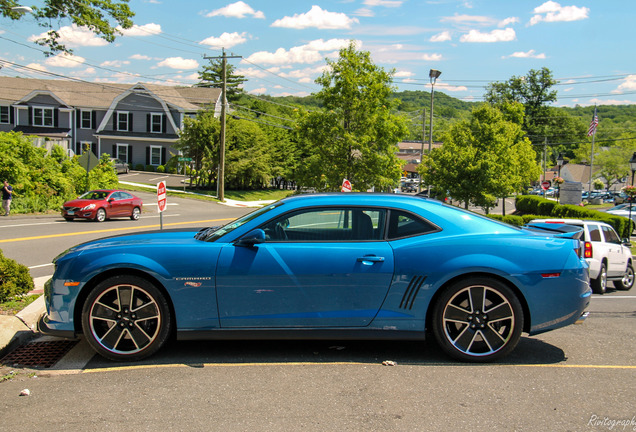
column 204, row 365
column 111, row 230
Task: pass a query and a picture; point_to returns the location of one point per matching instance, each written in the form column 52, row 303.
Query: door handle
column 370, row 259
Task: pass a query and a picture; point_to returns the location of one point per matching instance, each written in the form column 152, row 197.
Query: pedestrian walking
column 7, row 193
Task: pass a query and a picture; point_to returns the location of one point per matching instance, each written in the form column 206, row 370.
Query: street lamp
column 632, row 165
column 559, row 162
column 433, row 74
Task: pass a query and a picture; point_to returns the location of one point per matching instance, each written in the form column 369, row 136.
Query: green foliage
column 139, row 167
column 247, row 162
column 97, row 15
column 212, row 76
column 161, row 169
column 43, row 182
column 356, row 135
column 14, row 279
column 509, row 219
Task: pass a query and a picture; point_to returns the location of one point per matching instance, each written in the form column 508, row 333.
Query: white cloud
column 139, row 57
column 441, row 37
column 74, row 36
column 470, row 19
column 597, row 101
column 258, row 91
column 403, row 74
column 115, row 63
column 236, row 10
column 432, row 57
column 309, row 53
column 65, row 60
column 318, row 18
column 551, row 11
column 450, row 88
column 143, row 30
column 528, row 54
column 37, row 66
column 505, row 35
column 226, row 40
column 508, row 21
column 385, row 3
column 179, row 63
column 363, row 12
column 628, row 84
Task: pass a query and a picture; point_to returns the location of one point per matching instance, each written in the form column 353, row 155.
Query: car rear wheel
column 627, row 282
column 599, row 285
column 477, row 320
column 135, row 214
column 100, row 216
column 126, row 318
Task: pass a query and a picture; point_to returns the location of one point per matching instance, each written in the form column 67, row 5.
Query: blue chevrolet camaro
column 328, row 266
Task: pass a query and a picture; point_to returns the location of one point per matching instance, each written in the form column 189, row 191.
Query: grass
column 16, row 304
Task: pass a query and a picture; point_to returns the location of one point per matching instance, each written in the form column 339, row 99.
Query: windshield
column 218, row 233
column 94, row 195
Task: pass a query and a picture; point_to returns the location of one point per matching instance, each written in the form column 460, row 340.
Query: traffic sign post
column 545, row 185
column 346, row 186
column 161, row 201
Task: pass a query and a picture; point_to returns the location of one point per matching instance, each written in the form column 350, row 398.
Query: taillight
column 587, row 250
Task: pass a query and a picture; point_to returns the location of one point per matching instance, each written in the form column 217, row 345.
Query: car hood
column 80, row 202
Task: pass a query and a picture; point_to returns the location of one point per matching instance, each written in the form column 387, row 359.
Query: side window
column 403, row 224
column 610, row 235
column 595, row 233
column 328, row 224
column 125, row 195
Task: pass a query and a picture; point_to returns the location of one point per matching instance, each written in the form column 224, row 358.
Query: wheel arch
column 91, row 284
column 527, row 318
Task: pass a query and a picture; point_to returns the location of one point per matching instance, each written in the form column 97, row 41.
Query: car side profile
column 608, row 256
column 323, row 266
column 102, row 204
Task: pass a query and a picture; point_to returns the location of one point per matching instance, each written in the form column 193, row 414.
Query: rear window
column 403, row 224
column 595, row 233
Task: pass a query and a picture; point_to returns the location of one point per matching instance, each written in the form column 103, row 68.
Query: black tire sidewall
column 449, row 292
column 164, row 309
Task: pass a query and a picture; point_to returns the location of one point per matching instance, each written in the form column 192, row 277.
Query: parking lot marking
column 111, row 230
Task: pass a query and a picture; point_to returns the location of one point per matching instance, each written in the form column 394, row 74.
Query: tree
column 483, row 158
column 612, row 162
column 247, row 162
column 92, row 14
column 212, row 76
column 199, row 140
column 355, row 136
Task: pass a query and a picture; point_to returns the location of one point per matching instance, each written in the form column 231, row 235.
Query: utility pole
column 221, row 172
column 419, row 185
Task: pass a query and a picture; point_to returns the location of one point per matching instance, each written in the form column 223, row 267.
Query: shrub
column 161, row 169
column 150, row 168
column 14, row 279
column 139, row 167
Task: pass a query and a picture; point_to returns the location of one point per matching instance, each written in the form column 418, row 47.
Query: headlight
column 88, row 207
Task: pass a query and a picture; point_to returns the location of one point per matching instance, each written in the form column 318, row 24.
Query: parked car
column 329, row 266
column 609, row 257
column 102, row 204
column 119, row 166
column 623, row 210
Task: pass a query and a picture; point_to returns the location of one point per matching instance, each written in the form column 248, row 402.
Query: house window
column 4, row 114
column 156, row 121
column 155, row 155
column 87, row 120
column 42, row 116
column 122, row 121
column 122, row 152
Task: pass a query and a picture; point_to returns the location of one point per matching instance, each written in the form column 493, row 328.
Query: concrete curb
column 20, row 328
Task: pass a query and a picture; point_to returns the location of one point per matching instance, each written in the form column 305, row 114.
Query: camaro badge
column 193, row 284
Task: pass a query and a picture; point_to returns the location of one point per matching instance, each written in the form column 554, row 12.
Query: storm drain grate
column 38, row 354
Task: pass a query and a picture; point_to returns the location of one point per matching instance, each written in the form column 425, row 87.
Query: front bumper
column 45, row 327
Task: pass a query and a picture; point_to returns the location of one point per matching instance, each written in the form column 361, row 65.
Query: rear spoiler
column 560, row 230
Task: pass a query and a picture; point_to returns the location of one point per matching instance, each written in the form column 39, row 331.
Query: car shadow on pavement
column 413, row 353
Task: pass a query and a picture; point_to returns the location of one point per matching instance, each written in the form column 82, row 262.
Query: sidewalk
column 18, row 329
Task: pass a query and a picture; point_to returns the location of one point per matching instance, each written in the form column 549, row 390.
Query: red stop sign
column 161, row 196
column 546, row 185
column 346, row 186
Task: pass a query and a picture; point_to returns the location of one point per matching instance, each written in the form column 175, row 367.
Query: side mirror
column 252, row 238
column 626, row 242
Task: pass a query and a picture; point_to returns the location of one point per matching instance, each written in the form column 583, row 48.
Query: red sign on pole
column 161, row 196
column 346, row 186
column 546, row 184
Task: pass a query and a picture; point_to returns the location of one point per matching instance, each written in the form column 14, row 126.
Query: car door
column 616, row 259
column 320, row 267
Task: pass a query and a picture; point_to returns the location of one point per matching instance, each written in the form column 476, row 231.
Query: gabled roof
column 101, row 95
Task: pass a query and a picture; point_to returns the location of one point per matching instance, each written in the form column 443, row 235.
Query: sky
column 280, row 46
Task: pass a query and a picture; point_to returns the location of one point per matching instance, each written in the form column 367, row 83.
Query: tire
column 100, row 215
column 68, row 219
column 627, row 282
column 599, row 285
column 126, row 318
column 135, row 214
column 477, row 320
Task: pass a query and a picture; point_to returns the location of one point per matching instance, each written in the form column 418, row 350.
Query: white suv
column 609, row 257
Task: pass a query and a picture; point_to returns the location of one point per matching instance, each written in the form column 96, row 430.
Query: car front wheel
column 627, row 282
column 599, row 285
column 100, row 216
column 477, row 320
column 126, row 318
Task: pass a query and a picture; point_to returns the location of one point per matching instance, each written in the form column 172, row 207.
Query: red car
column 102, row 204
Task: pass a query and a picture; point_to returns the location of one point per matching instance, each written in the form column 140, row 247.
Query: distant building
column 136, row 123
column 411, row 153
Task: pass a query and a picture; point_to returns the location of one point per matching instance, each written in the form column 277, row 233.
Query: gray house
column 137, row 123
